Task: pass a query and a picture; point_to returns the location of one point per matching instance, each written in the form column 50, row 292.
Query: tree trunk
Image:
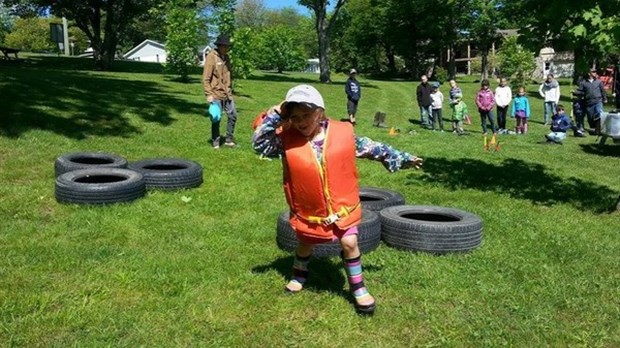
column 485, row 65
column 389, row 52
column 323, row 49
column 452, row 62
column 579, row 65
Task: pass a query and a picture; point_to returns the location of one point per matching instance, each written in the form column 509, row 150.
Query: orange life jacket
column 258, row 120
column 314, row 190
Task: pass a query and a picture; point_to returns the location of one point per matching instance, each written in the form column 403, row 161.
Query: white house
column 312, row 65
column 147, row 51
column 560, row 64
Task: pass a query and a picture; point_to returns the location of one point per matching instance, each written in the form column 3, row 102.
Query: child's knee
column 349, row 243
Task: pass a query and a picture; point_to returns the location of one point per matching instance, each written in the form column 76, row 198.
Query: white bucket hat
column 305, row 94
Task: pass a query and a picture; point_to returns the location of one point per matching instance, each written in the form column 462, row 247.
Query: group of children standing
column 486, row 101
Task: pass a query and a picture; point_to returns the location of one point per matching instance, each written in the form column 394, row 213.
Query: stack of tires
column 385, row 216
column 103, row 178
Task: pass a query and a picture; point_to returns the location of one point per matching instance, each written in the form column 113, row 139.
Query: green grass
column 163, row 272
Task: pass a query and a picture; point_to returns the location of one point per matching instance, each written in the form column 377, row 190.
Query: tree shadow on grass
column 604, row 150
column 79, row 104
column 520, row 180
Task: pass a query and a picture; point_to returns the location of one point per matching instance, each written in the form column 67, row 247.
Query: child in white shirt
column 503, row 97
column 436, row 105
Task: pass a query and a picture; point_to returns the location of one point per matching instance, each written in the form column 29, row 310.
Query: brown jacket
column 216, row 76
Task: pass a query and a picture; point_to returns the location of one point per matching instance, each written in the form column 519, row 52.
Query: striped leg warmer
column 363, row 300
column 300, row 274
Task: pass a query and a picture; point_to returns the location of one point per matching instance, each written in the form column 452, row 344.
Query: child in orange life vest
column 321, row 181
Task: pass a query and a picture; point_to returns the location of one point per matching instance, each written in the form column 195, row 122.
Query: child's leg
column 431, row 119
column 300, row 267
column 351, row 257
column 492, row 120
column 440, row 117
column 459, row 127
column 518, row 127
column 483, row 121
column 524, row 125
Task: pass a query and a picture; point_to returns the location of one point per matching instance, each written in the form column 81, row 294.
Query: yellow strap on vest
column 343, row 212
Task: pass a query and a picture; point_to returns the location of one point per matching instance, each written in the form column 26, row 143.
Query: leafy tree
column 30, row 34
column 243, row 53
column 6, row 21
column 103, row 21
column 323, row 26
column 591, row 29
column 146, row 26
column 224, row 16
column 78, row 38
column 358, row 39
column 280, row 50
column 484, row 29
column 182, row 26
column 515, row 62
column 251, row 14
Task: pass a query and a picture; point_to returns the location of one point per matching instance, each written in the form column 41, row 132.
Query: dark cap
column 222, row 40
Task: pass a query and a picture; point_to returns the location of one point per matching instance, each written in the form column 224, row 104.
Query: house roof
column 143, row 44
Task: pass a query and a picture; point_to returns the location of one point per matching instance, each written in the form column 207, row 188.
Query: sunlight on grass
column 200, row 267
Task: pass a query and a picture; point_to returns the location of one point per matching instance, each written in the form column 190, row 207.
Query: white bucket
column 610, row 124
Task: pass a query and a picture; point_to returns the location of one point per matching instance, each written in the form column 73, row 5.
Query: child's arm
column 512, row 113
column 265, row 141
column 391, row 158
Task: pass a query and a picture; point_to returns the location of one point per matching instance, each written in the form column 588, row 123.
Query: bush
column 516, row 63
column 440, row 74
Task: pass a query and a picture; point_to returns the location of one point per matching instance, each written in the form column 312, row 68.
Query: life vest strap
column 328, row 220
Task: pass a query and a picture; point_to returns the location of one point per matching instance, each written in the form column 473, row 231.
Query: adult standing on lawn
column 503, row 97
column 217, row 83
column 594, row 96
column 550, row 91
column 423, row 95
column 354, row 92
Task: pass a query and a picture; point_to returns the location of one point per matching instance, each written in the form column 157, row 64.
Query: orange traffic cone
column 392, row 131
column 485, row 145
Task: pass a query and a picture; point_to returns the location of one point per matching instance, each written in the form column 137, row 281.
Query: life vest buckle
column 331, row 219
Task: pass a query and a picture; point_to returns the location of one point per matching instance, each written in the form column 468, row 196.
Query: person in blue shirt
column 354, row 93
column 521, row 110
column 560, row 123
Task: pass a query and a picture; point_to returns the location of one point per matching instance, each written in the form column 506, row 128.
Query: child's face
column 305, row 119
column 502, row 82
column 452, row 83
column 521, row 91
column 485, row 87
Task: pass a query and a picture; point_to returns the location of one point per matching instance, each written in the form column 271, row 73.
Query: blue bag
column 215, row 112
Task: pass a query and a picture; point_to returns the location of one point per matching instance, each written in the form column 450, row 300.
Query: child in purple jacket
column 485, row 100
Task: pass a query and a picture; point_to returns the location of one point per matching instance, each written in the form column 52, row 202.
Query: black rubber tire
column 84, row 160
column 99, row 186
column 369, row 236
column 169, row 173
column 376, row 199
column 429, row 228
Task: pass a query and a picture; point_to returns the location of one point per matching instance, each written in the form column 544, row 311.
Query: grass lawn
column 165, row 272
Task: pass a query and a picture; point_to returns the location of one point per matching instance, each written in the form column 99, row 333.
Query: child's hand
column 412, row 162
